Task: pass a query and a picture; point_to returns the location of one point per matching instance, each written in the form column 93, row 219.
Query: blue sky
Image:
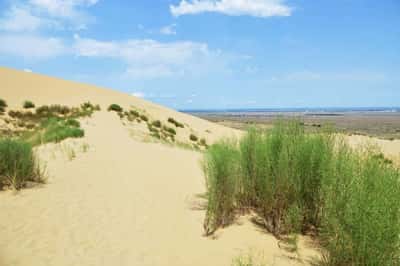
column 214, row 53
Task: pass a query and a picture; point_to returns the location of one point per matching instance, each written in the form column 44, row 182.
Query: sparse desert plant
column 144, row 118
column 134, row 113
column 170, row 130
column 203, row 142
column 115, row 107
column 18, row 164
column 248, row 259
column 176, row 123
column 193, row 137
column 156, row 123
column 28, row 104
column 3, row 106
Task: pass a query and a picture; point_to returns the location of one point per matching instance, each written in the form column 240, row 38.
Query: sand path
column 121, row 203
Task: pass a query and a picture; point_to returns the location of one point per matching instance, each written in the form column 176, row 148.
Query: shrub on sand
column 193, row 137
column 18, row 164
column 115, row 107
column 28, row 105
column 298, row 182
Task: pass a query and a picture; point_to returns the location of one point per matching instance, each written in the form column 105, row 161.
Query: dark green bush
column 134, row 113
column 203, row 142
column 28, row 105
column 298, row 182
column 156, row 123
column 193, row 137
column 115, row 107
column 169, row 130
column 144, row 118
column 3, row 106
column 176, row 123
column 17, row 164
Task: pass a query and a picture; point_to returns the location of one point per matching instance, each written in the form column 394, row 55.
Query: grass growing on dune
column 18, row 164
column 54, row 130
column 299, row 182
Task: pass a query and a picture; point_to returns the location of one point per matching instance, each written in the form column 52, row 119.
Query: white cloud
column 63, row 8
column 168, row 30
column 20, row 19
column 138, row 94
column 256, row 8
column 33, row 15
column 151, row 59
column 28, row 70
column 31, row 46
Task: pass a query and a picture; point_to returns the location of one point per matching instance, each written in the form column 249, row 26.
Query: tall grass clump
column 361, row 218
column 17, row 164
column 299, row 182
column 221, row 168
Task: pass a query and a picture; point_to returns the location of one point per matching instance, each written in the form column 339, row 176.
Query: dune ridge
column 119, row 201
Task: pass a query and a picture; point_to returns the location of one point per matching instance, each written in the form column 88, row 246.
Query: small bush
column 176, row 123
column 3, row 103
column 15, row 114
column 144, row 118
column 115, row 107
column 193, row 137
column 134, row 113
column 28, row 105
column 17, row 164
column 203, row 142
column 169, row 130
column 3, row 106
column 156, row 123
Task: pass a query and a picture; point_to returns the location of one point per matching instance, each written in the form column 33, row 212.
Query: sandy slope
column 17, row 86
column 122, row 202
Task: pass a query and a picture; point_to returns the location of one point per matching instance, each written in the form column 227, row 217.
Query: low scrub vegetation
column 28, row 105
column 3, row 106
column 115, row 107
column 55, row 130
column 156, row 123
column 298, row 182
column 193, row 137
column 18, row 164
column 176, row 123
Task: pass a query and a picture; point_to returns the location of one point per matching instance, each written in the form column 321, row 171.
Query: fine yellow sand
column 113, row 200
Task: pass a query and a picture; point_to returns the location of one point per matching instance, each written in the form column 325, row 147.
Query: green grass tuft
column 18, row 164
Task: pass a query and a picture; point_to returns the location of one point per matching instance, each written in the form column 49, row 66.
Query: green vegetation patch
column 3, row 106
column 193, row 137
column 299, row 182
column 176, row 123
column 28, row 105
column 18, row 164
column 115, row 107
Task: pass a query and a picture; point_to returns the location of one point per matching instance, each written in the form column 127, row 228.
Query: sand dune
column 119, row 201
